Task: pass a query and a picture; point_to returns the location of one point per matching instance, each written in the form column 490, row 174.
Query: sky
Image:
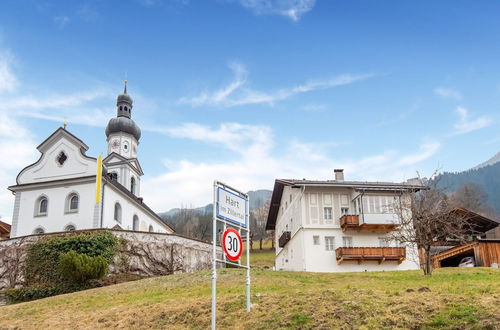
column 247, row 91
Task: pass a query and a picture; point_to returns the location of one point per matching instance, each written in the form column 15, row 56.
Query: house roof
column 478, row 222
column 4, row 229
column 279, row 185
column 137, row 200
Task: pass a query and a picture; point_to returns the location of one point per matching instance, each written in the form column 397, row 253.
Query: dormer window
column 61, row 159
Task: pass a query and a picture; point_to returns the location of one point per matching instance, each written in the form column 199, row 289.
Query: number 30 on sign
column 232, row 244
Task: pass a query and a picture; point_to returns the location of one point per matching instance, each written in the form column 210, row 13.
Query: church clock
column 115, row 144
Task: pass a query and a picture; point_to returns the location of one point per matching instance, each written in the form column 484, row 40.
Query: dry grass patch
column 458, row 298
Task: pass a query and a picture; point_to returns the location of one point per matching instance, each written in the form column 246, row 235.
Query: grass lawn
column 458, row 298
column 262, row 259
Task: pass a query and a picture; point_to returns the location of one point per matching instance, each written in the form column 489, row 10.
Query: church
column 65, row 189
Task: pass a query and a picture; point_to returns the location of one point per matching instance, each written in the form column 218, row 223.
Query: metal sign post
column 231, row 209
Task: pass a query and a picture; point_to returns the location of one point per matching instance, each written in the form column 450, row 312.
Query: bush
column 32, row 293
column 43, row 260
column 80, row 268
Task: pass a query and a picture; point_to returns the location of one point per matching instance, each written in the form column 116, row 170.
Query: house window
column 151, row 229
column 316, row 240
column 42, row 206
column 61, row 159
column 132, row 185
column 327, row 213
column 118, row 213
column 347, row 241
column 383, row 242
column 135, row 223
column 72, row 203
column 329, row 243
column 38, row 231
column 344, row 210
column 69, row 228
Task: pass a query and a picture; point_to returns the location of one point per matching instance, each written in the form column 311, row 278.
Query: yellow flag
column 98, row 180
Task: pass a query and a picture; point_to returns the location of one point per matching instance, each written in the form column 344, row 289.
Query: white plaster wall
column 48, row 168
column 111, row 196
column 56, row 218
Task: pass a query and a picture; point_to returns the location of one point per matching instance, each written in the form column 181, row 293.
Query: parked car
column 467, row 262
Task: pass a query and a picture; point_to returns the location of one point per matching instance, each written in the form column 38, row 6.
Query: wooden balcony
column 379, row 254
column 350, row 222
column 284, row 238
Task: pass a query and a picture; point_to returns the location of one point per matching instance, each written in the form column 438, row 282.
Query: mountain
column 493, row 160
column 486, row 176
column 197, row 222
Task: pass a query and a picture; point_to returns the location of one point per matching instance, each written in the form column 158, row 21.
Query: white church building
column 58, row 192
column 338, row 225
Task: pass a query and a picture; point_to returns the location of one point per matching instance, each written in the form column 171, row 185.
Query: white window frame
column 316, row 240
column 325, row 213
column 330, row 243
column 347, row 241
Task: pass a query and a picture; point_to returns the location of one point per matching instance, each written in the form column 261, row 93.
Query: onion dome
column 123, row 121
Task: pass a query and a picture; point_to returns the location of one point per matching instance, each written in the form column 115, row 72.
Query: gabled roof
column 134, row 162
column 477, row 222
column 4, row 229
column 58, row 132
column 279, row 185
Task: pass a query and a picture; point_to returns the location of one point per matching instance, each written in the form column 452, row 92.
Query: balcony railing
column 379, row 254
column 349, row 222
column 284, row 238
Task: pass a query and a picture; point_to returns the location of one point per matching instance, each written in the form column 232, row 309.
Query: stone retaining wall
column 142, row 253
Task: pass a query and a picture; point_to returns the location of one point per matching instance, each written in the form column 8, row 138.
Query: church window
column 42, row 206
column 72, row 203
column 61, row 159
column 118, row 213
column 135, row 223
column 121, row 108
column 69, row 228
column 114, row 176
column 132, row 185
column 151, row 229
column 38, row 231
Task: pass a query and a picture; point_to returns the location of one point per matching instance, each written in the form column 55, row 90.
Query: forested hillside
column 487, row 177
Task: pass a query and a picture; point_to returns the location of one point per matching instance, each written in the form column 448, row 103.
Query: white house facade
column 58, row 192
column 338, row 226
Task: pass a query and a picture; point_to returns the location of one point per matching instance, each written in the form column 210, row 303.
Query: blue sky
column 247, row 91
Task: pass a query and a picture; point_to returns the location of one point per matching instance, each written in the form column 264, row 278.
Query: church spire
column 125, row 88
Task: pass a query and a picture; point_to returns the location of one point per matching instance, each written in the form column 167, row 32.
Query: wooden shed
column 485, row 251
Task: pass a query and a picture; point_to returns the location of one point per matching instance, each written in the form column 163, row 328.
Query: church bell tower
column 123, row 136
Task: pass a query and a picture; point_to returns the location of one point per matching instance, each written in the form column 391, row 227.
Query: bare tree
column 473, row 197
column 258, row 222
column 428, row 217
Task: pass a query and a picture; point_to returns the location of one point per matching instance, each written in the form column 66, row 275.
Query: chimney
column 339, row 174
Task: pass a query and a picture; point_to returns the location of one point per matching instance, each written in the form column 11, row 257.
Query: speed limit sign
column 232, row 244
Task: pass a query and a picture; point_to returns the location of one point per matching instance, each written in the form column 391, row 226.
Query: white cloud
column 466, row 125
column 256, row 161
column 8, row 81
column 61, row 21
column 426, row 151
column 237, row 92
column 293, row 9
column 448, row 93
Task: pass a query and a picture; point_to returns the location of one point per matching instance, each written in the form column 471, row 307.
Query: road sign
column 231, row 206
column 230, row 209
column 232, row 244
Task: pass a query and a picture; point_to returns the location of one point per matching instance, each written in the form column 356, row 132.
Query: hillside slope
column 459, row 298
column 488, row 177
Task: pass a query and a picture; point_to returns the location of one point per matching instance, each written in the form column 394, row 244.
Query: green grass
column 459, row 299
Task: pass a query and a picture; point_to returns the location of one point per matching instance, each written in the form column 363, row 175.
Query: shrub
column 80, row 269
column 42, row 263
column 32, row 293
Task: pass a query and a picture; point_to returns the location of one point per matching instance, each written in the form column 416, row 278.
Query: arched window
column 72, row 202
column 69, row 228
column 38, row 231
column 135, row 223
column 151, row 228
column 121, row 108
column 41, row 206
column 132, row 185
column 118, row 212
column 126, row 109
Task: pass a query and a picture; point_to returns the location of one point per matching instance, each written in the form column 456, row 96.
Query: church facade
column 58, row 192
